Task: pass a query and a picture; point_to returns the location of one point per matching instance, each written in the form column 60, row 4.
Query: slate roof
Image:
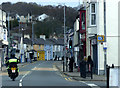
column 58, row 41
column 39, row 41
column 49, row 41
column 27, row 41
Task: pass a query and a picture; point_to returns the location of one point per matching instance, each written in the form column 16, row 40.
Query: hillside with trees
column 55, row 22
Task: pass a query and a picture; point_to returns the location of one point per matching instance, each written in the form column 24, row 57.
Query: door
column 95, row 59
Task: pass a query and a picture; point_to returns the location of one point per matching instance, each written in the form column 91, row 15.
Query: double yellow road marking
column 68, row 79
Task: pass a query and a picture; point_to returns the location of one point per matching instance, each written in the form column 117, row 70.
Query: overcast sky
column 72, row 3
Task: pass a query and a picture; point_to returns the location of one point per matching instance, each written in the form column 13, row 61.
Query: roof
column 49, row 42
column 58, row 41
column 39, row 41
column 27, row 41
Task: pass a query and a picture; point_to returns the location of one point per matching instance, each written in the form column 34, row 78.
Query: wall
column 48, row 48
column 112, row 31
column 36, row 47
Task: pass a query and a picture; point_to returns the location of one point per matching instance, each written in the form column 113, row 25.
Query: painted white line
column 20, row 84
column 20, row 80
column 92, row 85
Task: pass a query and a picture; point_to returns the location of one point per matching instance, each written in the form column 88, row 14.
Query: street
column 40, row 73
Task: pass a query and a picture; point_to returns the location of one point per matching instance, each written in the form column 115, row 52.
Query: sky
column 71, row 3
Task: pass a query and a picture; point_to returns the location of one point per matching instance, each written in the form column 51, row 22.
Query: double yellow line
column 68, row 79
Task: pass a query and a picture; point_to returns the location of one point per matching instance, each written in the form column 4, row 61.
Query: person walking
column 90, row 65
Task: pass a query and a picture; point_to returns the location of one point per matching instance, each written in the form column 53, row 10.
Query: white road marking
column 20, row 84
column 91, row 85
column 20, row 80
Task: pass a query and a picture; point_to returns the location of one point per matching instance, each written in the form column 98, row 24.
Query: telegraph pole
column 8, row 34
column 64, row 42
column 105, row 52
column 32, row 33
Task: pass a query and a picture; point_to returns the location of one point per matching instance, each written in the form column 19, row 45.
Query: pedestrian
column 6, row 59
column 71, row 64
column 83, row 68
column 90, row 65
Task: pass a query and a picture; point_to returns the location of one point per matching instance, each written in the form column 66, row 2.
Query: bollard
column 91, row 72
column 66, row 65
column 107, row 69
column 108, row 73
column 63, row 67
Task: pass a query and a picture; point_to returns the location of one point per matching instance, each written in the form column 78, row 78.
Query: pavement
column 76, row 75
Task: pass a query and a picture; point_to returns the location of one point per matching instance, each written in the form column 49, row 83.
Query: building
column 76, row 40
column 102, row 33
column 3, row 34
column 42, row 17
column 58, row 45
column 39, row 48
column 48, row 48
column 94, row 28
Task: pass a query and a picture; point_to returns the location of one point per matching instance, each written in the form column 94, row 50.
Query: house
column 39, row 48
column 48, row 48
column 94, row 27
column 58, row 45
column 3, row 34
column 42, row 17
column 76, row 40
column 102, row 33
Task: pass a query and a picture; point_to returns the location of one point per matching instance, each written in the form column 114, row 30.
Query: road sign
column 100, row 38
column 104, row 45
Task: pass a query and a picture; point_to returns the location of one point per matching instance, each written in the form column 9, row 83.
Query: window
column 83, row 20
column 93, row 14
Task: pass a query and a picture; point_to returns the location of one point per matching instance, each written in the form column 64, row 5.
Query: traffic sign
column 100, row 38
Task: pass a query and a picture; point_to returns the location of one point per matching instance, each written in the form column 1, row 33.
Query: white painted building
column 76, row 40
column 95, row 26
column 3, row 35
column 3, row 29
column 42, row 17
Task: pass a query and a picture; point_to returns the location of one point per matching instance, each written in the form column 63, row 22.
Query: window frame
column 93, row 14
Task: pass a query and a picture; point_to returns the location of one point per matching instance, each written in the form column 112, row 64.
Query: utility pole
column 64, row 42
column 8, row 34
column 32, row 33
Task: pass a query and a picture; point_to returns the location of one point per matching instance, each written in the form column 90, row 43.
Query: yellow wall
column 40, row 55
column 36, row 47
column 41, row 47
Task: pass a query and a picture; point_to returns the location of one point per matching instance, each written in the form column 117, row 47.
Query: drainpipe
column 105, row 56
